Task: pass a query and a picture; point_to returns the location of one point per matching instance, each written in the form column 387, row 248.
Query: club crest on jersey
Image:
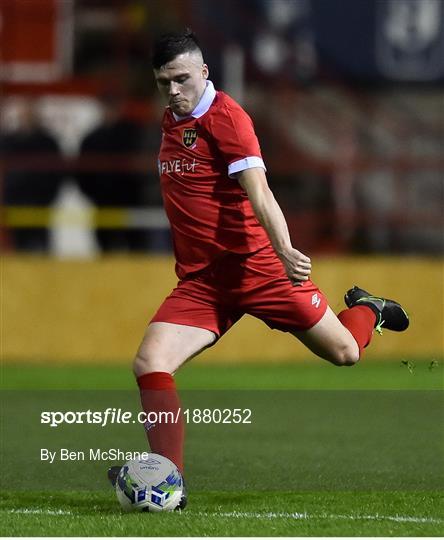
column 189, row 137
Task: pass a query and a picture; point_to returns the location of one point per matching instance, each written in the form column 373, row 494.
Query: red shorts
column 218, row 296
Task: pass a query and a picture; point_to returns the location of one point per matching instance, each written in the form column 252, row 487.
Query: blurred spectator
column 27, row 182
column 122, row 189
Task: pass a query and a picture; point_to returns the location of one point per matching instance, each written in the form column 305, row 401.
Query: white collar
column 204, row 103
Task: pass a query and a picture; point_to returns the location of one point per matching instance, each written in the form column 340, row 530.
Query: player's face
column 182, row 82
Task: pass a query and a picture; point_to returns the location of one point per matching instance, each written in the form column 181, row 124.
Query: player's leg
column 341, row 339
column 333, row 341
column 304, row 311
column 164, row 348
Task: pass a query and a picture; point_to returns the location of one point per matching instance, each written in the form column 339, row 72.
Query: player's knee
column 345, row 356
column 148, row 363
column 140, row 365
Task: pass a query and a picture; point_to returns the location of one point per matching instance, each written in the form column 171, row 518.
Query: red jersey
column 209, row 212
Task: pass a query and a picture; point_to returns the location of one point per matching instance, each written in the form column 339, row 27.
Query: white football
column 149, row 485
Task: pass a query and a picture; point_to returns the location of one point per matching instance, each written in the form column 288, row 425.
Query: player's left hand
column 297, row 266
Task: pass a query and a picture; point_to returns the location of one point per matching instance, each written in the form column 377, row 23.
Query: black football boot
column 389, row 314
column 113, row 473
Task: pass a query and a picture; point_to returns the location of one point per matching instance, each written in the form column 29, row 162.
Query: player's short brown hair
column 167, row 46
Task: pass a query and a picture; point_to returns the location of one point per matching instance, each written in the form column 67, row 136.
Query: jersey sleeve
column 233, row 132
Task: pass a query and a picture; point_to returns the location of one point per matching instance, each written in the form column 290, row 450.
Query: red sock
column 360, row 321
column 158, row 394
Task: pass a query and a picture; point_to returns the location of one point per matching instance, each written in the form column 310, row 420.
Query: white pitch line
column 43, row 511
column 262, row 515
column 302, row 516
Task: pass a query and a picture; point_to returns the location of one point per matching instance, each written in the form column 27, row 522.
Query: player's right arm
column 233, row 132
column 270, row 216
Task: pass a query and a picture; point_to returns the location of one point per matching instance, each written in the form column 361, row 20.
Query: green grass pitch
column 329, row 451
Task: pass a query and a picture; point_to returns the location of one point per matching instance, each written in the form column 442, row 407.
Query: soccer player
column 233, row 250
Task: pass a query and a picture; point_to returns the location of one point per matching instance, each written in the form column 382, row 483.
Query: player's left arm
column 270, row 216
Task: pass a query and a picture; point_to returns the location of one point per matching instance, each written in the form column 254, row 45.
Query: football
column 149, row 485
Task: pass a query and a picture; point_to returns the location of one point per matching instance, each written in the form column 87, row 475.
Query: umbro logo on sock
column 148, row 425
